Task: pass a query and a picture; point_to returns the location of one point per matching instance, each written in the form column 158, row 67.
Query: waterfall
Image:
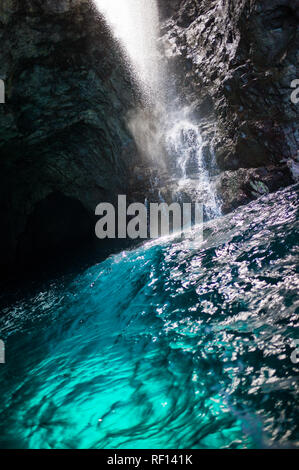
column 185, row 145
column 165, row 136
column 135, row 24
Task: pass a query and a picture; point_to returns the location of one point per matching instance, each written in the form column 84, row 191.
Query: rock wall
column 64, row 144
column 235, row 61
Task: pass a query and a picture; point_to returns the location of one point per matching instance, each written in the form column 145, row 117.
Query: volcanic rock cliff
column 64, row 144
column 235, row 61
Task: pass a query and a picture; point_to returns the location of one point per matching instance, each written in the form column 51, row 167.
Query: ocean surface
column 176, row 344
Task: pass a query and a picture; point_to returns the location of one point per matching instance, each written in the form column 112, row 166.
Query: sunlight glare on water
column 172, row 345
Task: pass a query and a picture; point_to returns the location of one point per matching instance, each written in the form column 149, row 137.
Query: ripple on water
column 174, row 345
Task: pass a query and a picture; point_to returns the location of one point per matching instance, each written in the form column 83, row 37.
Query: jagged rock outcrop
column 64, row 144
column 237, row 59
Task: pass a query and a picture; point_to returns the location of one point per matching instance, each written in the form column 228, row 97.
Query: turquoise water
column 176, row 344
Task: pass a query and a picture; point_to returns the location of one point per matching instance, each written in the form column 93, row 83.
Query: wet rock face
column 239, row 187
column 63, row 126
column 237, row 60
column 168, row 8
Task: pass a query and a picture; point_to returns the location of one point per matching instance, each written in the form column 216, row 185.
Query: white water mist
column 161, row 132
column 135, row 24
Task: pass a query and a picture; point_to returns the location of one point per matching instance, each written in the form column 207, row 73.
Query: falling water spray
column 165, row 137
column 135, row 24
